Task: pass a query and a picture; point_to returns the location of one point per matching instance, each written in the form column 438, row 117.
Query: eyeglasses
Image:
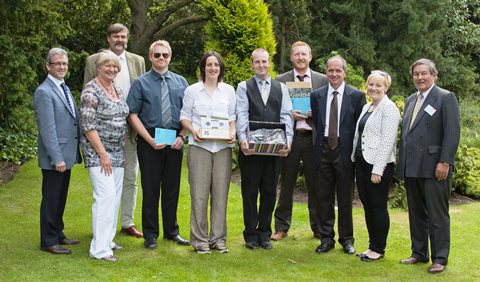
column 59, row 64
column 380, row 72
column 158, row 55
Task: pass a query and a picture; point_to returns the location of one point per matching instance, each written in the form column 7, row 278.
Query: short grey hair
column 337, row 57
column 55, row 51
column 105, row 56
column 429, row 63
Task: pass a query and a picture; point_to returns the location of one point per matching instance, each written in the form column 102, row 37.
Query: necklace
column 111, row 91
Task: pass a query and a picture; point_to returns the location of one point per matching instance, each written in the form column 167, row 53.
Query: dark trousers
column 333, row 178
column 429, row 218
column 259, row 175
column 54, row 197
column 302, row 149
column 160, row 172
column 374, row 198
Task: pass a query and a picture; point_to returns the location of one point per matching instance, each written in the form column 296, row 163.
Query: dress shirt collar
column 340, row 89
column 123, row 56
column 258, row 79
column 157, row 75
column 425, row 94
column 308, row 74
column 56, row 81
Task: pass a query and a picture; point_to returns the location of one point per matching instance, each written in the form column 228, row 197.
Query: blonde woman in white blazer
column 374, row 155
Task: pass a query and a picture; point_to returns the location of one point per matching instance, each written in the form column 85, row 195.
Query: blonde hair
column 387, row 80
column 163, row 43
column 106, row 56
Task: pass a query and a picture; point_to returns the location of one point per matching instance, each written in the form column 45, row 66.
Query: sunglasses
column 158, row 55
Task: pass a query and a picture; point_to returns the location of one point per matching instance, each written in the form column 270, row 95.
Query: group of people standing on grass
column 342, row 140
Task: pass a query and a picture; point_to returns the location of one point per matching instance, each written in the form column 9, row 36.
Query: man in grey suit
column 132, row 66
column 58, row 151
column 302, row 146
column 428, row 144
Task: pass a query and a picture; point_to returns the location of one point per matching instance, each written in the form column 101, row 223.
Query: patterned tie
column 166, row 110
column 301, row 77
column 333, row 123
column 264, row 91
column 66, row 92
column 416, row 109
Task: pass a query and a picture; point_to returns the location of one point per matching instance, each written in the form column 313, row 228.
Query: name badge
column 430, row 110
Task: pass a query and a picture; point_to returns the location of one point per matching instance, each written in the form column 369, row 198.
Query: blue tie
column 67, row 96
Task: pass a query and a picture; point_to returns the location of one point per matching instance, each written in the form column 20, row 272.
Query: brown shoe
column 411, row 260
column 132, row 231
column 67, row 241
column 278, row 235
column 436, row 268
column 57, row 250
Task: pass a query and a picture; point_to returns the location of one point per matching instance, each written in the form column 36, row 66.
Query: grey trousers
column 209, row 176
column 129, row 191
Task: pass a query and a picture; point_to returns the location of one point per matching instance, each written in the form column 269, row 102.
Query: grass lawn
column 293, row 259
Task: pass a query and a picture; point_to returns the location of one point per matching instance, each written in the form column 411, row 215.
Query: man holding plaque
column 155, row 100
column 302, row 146
column 260, row 99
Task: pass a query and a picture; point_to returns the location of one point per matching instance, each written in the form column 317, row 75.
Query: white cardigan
column 379, row 135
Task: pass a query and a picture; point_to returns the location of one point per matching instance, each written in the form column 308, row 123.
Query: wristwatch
column 184, row 139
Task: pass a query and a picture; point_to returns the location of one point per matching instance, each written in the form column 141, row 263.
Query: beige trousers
column 209, row 176
column 129, row 192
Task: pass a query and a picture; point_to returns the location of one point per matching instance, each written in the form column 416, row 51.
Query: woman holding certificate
column 209, row 114
column 374, row 153
column 103, row 121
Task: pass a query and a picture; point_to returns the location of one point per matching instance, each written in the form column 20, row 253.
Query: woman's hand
column 376, row 178
column 105, row 164
column 233, row 137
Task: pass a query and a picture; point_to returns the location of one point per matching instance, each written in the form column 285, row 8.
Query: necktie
column 416, row 109
column 301, row 77
column 166, row 110
column 333, row 123
column 66, row 92
column 264, row 92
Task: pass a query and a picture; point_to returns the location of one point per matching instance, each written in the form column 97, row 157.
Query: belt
column 303, row 132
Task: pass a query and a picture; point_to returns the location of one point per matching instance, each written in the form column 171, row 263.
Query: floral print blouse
column 109, row 118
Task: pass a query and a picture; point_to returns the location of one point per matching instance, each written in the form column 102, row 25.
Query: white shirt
column 58, row 83
column 125, row 75
column 197, row 102
column 302, row 124
column 330, row 91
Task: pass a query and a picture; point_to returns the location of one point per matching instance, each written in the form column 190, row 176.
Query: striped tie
column 166, row 110
column 416, row 109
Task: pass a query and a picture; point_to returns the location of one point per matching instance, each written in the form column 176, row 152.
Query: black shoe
column 150, row 244
column 266, row 245
column 252, row 245
column 366, row 258
column 349, row 249
column 323, row 248
column 180, row 241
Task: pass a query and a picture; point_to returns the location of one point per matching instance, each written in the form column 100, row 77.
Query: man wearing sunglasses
column 132, row 66
column 155, row 100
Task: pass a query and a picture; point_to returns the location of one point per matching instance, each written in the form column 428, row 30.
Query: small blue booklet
column 300, row 95
column 165, row 136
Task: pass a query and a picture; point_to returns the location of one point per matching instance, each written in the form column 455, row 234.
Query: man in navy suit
column 428, row 144
column 58, row 139
column 335, row 110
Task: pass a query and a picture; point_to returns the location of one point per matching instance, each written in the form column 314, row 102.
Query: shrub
column 17, row 145
column 466, row 179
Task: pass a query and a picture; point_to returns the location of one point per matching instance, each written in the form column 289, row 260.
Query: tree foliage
column 235, row 29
